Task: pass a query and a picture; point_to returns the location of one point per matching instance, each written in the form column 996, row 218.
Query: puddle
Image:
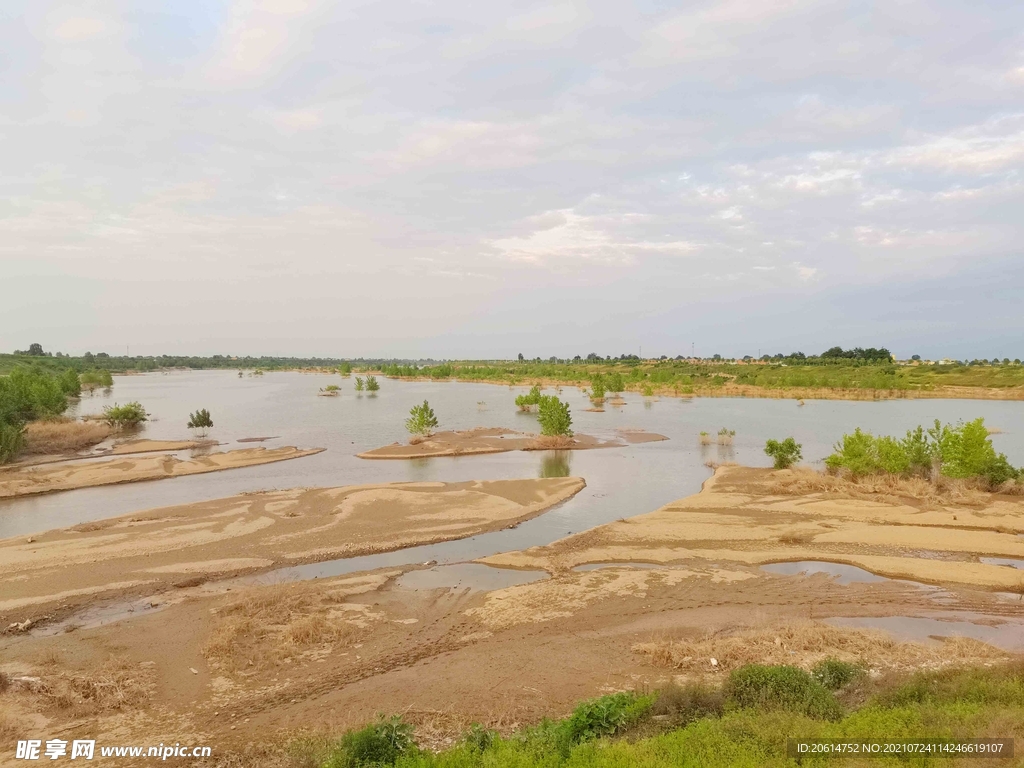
column 599, row 566
column 98, row 615
column 1009, row 635
column 1009, row 561
column 468, row 576
column 844, row 574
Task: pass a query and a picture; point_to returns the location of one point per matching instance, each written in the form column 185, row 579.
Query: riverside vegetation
column 745, row 721
column 29, row 394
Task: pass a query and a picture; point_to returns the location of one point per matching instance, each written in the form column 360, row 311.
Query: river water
column 621, row 482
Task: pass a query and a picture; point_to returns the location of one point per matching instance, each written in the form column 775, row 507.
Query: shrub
column 615, row 383
column 603, row 716
column 359, row 384
column 125, row 416
column 756, row 686
column 345, row 369
column 69, row 383
column 785, row 453
column 380, row 743
column 686, row 703
column 478, row 738
column 961, row 451
column 371, row 384
column 835, row 674
column 12, row 440
column 200, row 421
column 531, row 398
column 421, row 419
column 597, row 388
column 647, row 390
column 332, row 388
column 96, row 378
column 554, row 417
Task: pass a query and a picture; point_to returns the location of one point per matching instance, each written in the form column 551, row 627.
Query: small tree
column 359, row 383
column 531, row 398
column 554, row 417
column 200, row 422
column 371, row 384
column 345, row 369
column 422, row 420
column 125, row 416
column 785, row 453
column 597, row 389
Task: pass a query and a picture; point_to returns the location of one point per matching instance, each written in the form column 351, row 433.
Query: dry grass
column 116, row 685
column 554, row 442
column 274, row 625
column 804, row 644
column 890, row 488
column 63, row 436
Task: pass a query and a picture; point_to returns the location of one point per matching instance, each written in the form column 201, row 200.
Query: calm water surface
column 621, row 482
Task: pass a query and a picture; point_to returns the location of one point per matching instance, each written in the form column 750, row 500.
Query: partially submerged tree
column 371, row 384
column 345, row 369
column 359, row 383
column 421, row 420
column 785, row 453
column 554, row 417
column 530, row 399
column 597, row 389
column 200, row 421
column 127, row 416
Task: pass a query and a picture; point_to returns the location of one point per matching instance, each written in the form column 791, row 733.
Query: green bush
column 200, row 421
column 69, row 383
column 125, row 416
column 381, row 743
column 94, row 378
column 756, row 686
column 421, row 419
column 345, row 369
column 597, row 718
column 686, row 703
column 478, row 738
column 371, row 384
column 359, row 383
column 554, row 417
column 835, row 674
column 597, row 388
column 12, row 440
column 961, row 451
column 785, row 453
column 615, row 382
column 529, row 399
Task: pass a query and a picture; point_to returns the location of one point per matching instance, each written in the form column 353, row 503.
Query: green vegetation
column 725, row 436
column 597, row 388
column 359, row 383
column 554, row 417
column 331, row 388
column 345, row 369
column 199, row 421
column 785, row 454
column 127, row 416
column 746, row 723
column 835, row 674
column 29, row 394
column 531, row 398
column 95, row 378
column 422, row 420
column 615, row 382
column 371, row 384
column 961, row 451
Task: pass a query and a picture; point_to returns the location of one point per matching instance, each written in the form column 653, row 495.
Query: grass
column 274, row 624
column 886, row 487
column 117, row 684
column 745, row 722
column 63, row 436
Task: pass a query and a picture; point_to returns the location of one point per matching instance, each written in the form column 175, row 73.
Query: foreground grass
column 745, row 723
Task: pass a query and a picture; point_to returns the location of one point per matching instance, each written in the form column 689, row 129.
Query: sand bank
column 150, row 551
column 498, row 440
column 739, row 517
column 66, row 476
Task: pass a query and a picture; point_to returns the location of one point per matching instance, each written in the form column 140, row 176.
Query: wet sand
column 149, row 552
column 499, row 440
column 65, row 476
column 739, row 517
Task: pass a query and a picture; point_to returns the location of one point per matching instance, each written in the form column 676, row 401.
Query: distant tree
column 200, row 422
column 88, row 357
column 593, row 357
column 371, row 384
column 915, row 357
column 785, row 453
column 521, row 358
column 421, row 420
column 554, row 417
column 36, row 350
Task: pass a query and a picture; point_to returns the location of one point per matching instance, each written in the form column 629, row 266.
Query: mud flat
column 498, row 440
column 745, row 515
column 150, row 552
column 65, row 476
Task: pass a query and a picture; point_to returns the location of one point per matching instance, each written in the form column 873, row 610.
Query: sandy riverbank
column 67, row 475
column 484, row 440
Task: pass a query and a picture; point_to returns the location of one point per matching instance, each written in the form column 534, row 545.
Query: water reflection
column 555, row 464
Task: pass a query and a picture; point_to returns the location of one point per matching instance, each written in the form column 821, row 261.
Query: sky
column 478, row 179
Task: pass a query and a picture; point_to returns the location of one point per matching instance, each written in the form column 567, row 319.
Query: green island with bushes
column 745, row 721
